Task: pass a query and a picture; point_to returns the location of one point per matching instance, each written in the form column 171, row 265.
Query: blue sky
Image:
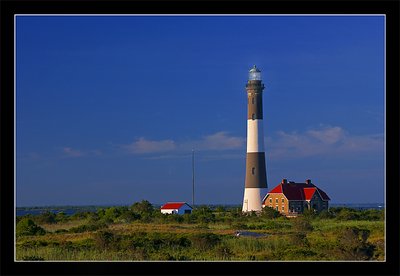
column 108, row 108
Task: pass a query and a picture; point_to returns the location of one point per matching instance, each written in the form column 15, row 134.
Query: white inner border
column 199, row 15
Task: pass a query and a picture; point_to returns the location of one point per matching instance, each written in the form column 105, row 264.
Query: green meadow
column 141, row 233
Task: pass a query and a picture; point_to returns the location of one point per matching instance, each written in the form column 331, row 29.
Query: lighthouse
column 256, row 177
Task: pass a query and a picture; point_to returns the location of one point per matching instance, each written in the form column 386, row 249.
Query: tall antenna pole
column 193, row 178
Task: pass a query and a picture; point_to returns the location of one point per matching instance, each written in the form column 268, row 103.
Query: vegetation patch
column 141, row 232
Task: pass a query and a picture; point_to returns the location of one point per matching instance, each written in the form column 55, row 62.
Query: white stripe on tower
column 255, row 136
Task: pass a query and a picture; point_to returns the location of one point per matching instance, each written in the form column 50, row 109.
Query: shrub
column 128, row 216
column 26, row 227
column 103, row 239
column 61, row 217
column 325, row 214
column 270, row 213
column 143, row 208
column 346, row 214
column 353, row 245
column 204, row 214
column 204, row 241
column 46, row 217
column 223, row 252
column 299, row 239
column 80, row 215
column 301, row 224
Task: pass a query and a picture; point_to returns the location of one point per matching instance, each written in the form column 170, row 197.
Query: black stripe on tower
column 255, row 170
column 254, row 94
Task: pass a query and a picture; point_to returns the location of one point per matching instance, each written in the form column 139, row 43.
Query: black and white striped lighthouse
column 256, row 177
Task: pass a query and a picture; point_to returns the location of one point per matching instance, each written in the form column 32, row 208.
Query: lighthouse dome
column 254, row 73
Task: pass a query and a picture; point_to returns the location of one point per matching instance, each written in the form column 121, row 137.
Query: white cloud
column 328, row 135
column 148, row 146
column 69, row 152
column 332, row 141
column 218, row 141
column 324, row 141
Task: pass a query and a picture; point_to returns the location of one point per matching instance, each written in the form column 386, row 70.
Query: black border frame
column 391, row 8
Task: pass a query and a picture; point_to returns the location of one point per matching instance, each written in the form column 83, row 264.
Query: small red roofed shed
column 179, row 208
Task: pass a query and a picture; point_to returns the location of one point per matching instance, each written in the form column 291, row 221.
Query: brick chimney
column 308, row 181
column 284, row 181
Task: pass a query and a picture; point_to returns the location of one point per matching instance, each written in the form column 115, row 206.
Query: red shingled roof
column 173, row 205
column 298, row 191
column 309, row 192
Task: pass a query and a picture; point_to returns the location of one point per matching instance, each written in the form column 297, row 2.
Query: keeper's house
column 179, row 208
column 291, row 199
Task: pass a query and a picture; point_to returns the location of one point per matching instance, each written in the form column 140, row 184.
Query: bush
column 325, row 214
column 103, row 239
column 301, row 224
column 299, row 239
column 223, row 252
column 205, row 241
column 143, row 208
column 26, row 227
column 353, row 245
column 270, row 213
column 128, row 216
column 61, row 217
column 344, row 213
column 46, row 217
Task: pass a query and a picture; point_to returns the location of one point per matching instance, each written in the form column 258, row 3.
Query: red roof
column 309, row 192
column 173, row 205
column 298, row 191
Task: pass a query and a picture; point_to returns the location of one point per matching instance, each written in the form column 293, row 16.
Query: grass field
column 206, row 235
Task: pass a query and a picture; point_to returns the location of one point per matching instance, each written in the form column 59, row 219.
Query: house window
column 277, row 208
column 253, row 170
column 283, row 200
column 276, row 200
column 270, row 200
column 283, row 208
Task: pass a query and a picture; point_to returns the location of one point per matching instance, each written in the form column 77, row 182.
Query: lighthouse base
column 253, row 199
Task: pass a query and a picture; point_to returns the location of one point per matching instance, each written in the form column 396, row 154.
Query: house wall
column 297, row 206
column 317, row 203
column 278, row 202
column 169, row 211
column 182, row 210
column 179, row 211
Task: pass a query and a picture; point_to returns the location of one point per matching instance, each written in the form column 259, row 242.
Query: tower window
column 253, row 170
column 253, row 116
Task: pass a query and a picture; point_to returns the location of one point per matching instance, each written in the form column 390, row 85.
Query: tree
column 143, row 208
column 268, row 212
column 352, row 243
column 46, row 217
column 27, row 226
